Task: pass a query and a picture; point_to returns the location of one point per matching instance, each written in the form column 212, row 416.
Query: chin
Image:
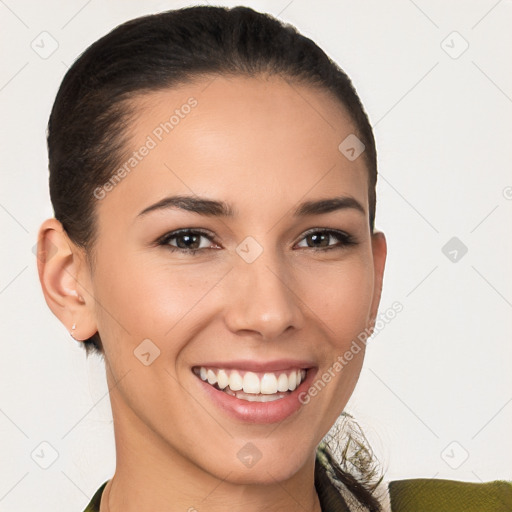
column 250, row 466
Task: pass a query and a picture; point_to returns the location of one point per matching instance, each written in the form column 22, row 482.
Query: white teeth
column 268, row 384
column 222, row 379
column 292, row 381
column 259, row 398
column 212, row 378
column 235, row 381
column 282, row 382
column 255, row 398
column 251, row 383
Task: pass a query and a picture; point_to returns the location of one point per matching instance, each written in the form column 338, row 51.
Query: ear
column 379, row 250
column 65, row 279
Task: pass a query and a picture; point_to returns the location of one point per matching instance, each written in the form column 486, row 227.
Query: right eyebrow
column 194, row 204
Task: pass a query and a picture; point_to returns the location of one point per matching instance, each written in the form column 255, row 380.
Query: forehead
column 242, row 138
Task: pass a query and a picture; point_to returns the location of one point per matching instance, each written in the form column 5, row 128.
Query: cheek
column 145, row 297
column 341, row 297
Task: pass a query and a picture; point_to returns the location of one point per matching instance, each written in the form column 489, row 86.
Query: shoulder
column 428, row 495
column 413, row 495
column 437, row 495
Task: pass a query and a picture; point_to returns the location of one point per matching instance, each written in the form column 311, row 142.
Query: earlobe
column 62, row 276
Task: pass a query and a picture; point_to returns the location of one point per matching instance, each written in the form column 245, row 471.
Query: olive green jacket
column 413, row 495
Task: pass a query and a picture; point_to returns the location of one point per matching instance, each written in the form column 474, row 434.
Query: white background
column 437, row 382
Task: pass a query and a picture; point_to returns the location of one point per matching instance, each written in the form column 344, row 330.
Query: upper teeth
column 250, row 382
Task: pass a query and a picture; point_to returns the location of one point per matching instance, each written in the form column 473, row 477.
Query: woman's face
column 277, row 285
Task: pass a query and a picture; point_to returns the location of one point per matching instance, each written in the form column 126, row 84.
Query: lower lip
column 258, row 412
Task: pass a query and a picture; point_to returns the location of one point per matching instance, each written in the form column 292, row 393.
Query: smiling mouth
column 252, row 386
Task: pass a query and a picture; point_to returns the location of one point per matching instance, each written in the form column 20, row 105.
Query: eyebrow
column 213, row 208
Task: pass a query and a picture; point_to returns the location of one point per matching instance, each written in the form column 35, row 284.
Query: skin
column 263, row 146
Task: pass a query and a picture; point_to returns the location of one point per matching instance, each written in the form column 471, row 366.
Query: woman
column 213, row 178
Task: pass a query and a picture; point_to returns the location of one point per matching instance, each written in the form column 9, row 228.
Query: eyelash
column 344, row 238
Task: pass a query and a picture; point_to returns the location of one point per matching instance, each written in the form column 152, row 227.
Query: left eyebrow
column 322, row 206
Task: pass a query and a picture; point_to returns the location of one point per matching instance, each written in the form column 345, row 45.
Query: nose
column 262, row 300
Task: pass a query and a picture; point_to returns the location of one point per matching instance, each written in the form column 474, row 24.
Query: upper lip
column 260, row 366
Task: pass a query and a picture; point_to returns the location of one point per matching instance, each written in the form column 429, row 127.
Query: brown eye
column 318, row 240
column 187, row 241
column 323, row 239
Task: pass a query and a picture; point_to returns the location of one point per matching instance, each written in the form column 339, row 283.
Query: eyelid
column 324, row 230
